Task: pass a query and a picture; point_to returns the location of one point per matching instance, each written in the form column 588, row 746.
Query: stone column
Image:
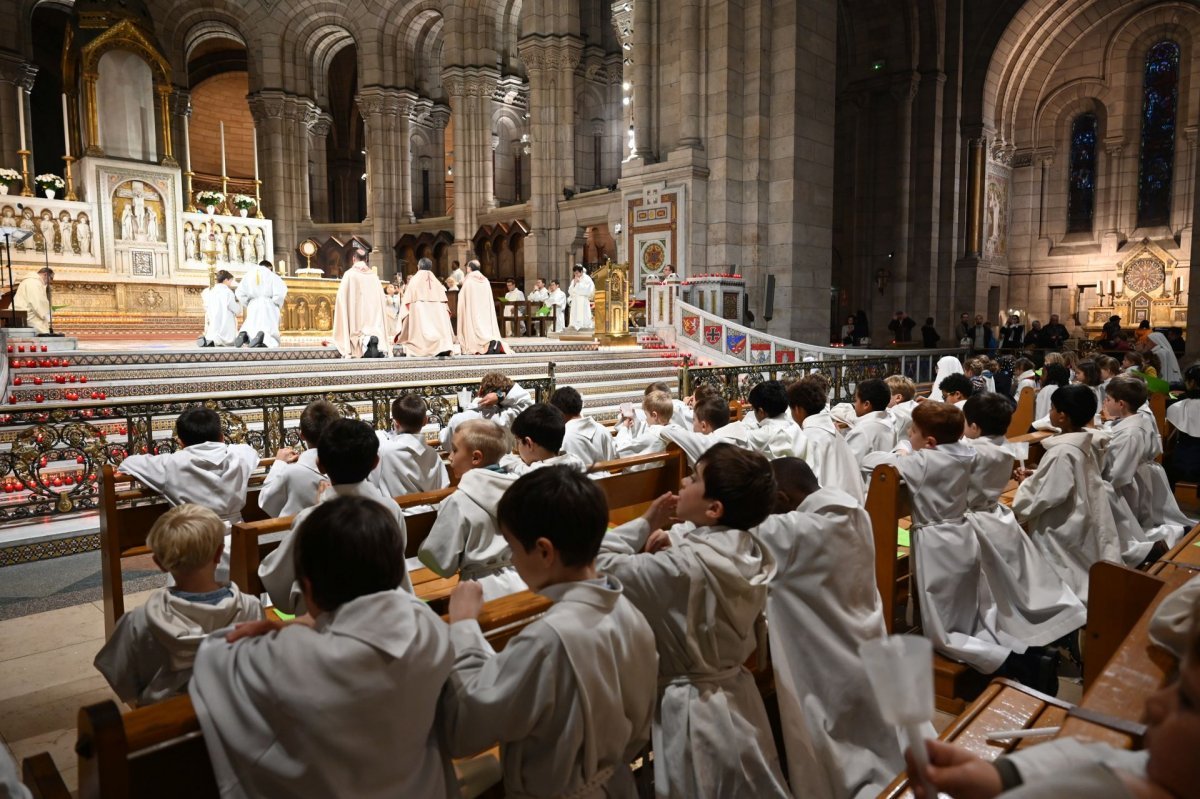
column 436, row 122
column 319, row 124
column 976, row 175
column 386, row 112
column 470, row 90
column 181, row 111
column 689, row 74
column 903, row 94
column 1189, row 181
column 643, row 80
column 1111, row 179
column 622, row 18
column 281, row 120
column 1046, row 161
column 550, row 62
column 405, row 168
column 14, row 72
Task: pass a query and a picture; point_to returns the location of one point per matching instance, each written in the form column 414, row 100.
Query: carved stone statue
column 190, row 244
column 127, row 225
column 83, row 233
column 260, row 246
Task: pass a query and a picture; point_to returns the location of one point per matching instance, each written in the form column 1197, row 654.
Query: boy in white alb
column 347, row 453
column 903, row 392
column 820, row 444
column 873, row 432
column 512, row 296
column 539, row 431
column 681, row 414
column 344, row 703
column 558, row 301
column 658, row 408
column 956, row 389
column 822, row 606
column 702, row 592
column 293, row 479
column 710, row 425
column 465, row 539
column 221, row 311
column 771, row 430
column 1063, row 503
column 570, row 699
column 407, row 465
column 149, row 655
column 585, row 438
column 499, row 400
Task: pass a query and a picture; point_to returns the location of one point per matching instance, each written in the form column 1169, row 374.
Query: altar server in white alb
column 570, row 699
column 710, row 426
column 771, row 430
column 221, row 311
column 359, row 319
column 873, row 431
column 539, row 293
column 294, row 480
column 821, row 610
column 703, row 595
column 407, row 465
column 557, row 300
column 33, row 297
column 1033, row 605
column 1063, row 502
column 658, row 409
column 345, row 704
column 585, row 438
column 514, row 300
column 539, row 431
column 581, row 291
column 499, row 400
column 819, row 443
column 261, row 292
column 347, row 454
column 957, row 611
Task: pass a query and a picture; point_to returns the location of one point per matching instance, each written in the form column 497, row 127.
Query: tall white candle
column 187, row 142
column 223, row 173
column 66, row 126
column 21, row 114
column 256, row 153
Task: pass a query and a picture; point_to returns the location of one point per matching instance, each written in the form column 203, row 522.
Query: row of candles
column 1116, row 287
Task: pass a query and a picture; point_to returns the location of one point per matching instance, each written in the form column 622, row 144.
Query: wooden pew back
column 1022, row 416
column 42, row 778
column 887, row 501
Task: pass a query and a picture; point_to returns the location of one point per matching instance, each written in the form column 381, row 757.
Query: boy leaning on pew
column 349, row 451
column 873, row 432
column 149, row 656
column 465, row 539
column 570, row 699
column 819, row 443
column 822, row 605
column 900, row 408
column 539, row 431
column 702, row 595
column 710, row 425
column 585, row 438
column 293, row 479
column 499, row 400
column 407, row 465
column 659, row 409
column 344, row 703
column 771, row 431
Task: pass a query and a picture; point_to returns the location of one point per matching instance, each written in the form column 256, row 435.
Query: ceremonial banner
column 735, row 343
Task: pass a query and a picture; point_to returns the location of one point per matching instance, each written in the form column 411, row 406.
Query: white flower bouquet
column 49, row 181
column 10, row 176
column 242, row 201
column 209, row 197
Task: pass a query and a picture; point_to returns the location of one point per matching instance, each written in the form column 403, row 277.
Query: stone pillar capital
column 438, row 117
column 319, row 122
column 622, row 20
column 470, row 81
column 550, row 53
column 904, row 90
column 17, row 71
column 272, row 104
column 385, row 101
column 181, row 102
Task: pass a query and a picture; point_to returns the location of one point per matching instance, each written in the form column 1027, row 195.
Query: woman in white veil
column 947, row 365
column 1166, row 356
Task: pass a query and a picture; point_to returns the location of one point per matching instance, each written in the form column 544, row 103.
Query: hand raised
column 466, row 601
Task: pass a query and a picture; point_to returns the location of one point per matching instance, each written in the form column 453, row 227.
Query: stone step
column 57, row 344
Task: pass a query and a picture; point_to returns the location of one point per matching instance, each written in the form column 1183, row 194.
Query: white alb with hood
column 694, row 444
column 828, row 455
column 149, row 656
column 291, row 487
column 1131, row 468
column 589, row 441
column 502, row 413
column 221, row 311
column 407, row 465
column 261, row 292
column 947, row 365
column 775, row 436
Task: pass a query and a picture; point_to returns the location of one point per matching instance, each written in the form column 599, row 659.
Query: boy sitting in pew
column 465, row 539
column 659, row 409
column 702, row 593
column 407, row 465
column 293, row 479
column 710, row 425
column 539, row 431
column 571, row 698
column 873, row 432
column 585, row 438
column 771, row 431
column 822, row 605
column 956, row 390
column 499, row 400
column 1068, row 767
column 904, row 393
column 819, row 443
column 344, row 703
column 681, row 414
column 149, row 656
column 348, row 451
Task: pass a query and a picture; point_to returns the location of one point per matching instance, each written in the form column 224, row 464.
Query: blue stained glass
column 1157, row 162
column 1081, row 187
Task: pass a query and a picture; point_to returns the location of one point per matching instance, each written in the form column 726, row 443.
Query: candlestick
column 27, row 191
column 66, row 138
column 187, row 142
column 191, row 195
column 255, row 129
column 67, row 161
column 223, row 173
column 1112, row 288
column 258, row 214
column 21, row 114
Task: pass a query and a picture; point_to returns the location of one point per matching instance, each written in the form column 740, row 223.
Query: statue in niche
column 247, row 247
column 64, row 234
column 127, row 223
column 996, row 217
column 8, row 217
column 27, row 224
column 231, row 247
column 302, row 314
column 49, row 231
column 190, row 244
column 324, row 320
column 83, row 233
column 149, row 225
column 260, row 246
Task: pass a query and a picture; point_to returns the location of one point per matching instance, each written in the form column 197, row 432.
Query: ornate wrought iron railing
column 55, row 451
column 735, row 382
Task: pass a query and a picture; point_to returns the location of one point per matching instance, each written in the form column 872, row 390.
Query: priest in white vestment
column 581, row 291
column 425, row 329
column 514, row 300
column 557, row 300
column 221, row 311
column 478, row 331
column 358, row 315
column 33, row 297
column 261, row 293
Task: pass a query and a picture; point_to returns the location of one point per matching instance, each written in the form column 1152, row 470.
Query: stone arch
column 208, row 30
column 591, row 110
column 307, row 45
column 1052, row 126
column 182, row 26
column 508, row 126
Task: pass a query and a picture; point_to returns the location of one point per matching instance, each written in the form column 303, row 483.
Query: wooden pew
column 1022, row 417
column 126, row 517
column 42, row 778
column 1117, row 598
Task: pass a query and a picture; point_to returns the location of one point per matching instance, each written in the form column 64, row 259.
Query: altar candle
column 1099, row 288
column 1178, row 284
column 223, row 174
column 187, row 142
column 282, row 269
column 66, row 126
column 21, row 114
column 1112, row 288
column 256, row 153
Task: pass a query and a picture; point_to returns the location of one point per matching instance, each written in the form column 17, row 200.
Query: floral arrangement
column 10, row 176
column 243, row 201
column 209, row 197
column 49, row 181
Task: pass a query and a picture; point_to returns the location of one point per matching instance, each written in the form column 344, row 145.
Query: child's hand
column 322, row 487
column 1021, row 474
column 661, row 511
column 955, row 771
column 253, row 629
column 287, row 455
column 627, row 421
column 466, row 601
column 488, row 400
column 658, row 541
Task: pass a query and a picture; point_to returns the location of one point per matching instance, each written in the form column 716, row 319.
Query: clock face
column 1144, row 275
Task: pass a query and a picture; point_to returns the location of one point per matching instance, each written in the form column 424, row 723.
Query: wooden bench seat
column 42, row 778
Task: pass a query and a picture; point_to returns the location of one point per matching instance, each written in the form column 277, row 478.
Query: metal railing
column 844, row 375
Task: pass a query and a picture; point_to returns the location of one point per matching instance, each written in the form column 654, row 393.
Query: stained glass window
column 1081, row 189
column 1161, row 96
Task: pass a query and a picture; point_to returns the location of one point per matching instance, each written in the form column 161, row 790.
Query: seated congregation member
column 1033, row 605
column 947, row 365
column 407, row 465
column 499, row 400
column 539, row 431
column 956, row 389
column 293, row 479
column 710, row 425
column 873, row 431
column 702, row 595
column 149, row 656
column 585, row 438
column 900, row 408
column 347, row 454
column 1109, row 368
column 658, row 409
column 1131, row 468
column 1054, row 375
column 771, row 430
column 1184, row 418
column 1069, row 767
column 822, row 605
column 344, row 704
column 465, row 539
column 957, row 610
column 571, row 698
column 1063, row 502
column 820, row 444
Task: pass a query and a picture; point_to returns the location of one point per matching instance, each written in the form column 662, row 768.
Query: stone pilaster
column 689, row 74
column 386, row 115
column 435, row 122
column 281, row 119
column 14, row 72
column 643, row 79
column 470, row 90
column 903, row 94
column 622, row 19
column 319, row 124
column 181, row 112
column 550, row 63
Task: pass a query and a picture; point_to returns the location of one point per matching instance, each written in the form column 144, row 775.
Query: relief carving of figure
column 83, row 233
column 260, row 246
column 127, row 228
column 190, row 251
column 8, row 217
column 48, row 230
column 247, row 246
column 64, row 234
column 27, row 224
column 150, row 225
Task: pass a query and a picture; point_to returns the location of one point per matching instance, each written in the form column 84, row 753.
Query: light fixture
column 625, row 101
column 626, row 85
column 450, row 171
